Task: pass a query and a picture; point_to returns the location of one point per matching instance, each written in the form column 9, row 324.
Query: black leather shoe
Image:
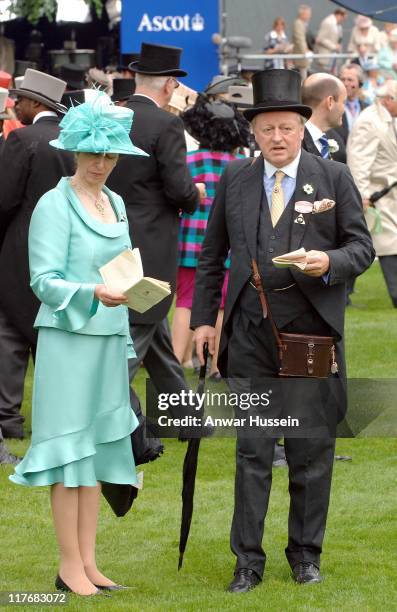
column 244, row 580
column 7, row 458
column 306, row 573
column 60, row 585
column 16, row 433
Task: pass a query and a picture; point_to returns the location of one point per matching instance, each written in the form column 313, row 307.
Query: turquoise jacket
column 66, row 249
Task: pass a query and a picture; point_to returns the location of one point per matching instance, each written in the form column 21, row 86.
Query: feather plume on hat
column 97, row 126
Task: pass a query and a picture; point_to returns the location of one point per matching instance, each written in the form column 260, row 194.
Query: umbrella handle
column 203, row 368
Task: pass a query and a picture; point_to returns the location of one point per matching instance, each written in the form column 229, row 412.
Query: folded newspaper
column 294, row 259
column 124, row 273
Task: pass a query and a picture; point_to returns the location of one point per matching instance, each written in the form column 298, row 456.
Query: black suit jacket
column 309, row 146
column 233, row 223
column 154, row 190
column 29, row 167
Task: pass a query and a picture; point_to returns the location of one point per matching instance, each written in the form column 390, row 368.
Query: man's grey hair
column 388, row 90
column 151, row 82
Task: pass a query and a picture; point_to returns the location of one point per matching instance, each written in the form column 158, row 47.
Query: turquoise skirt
column 81, row 414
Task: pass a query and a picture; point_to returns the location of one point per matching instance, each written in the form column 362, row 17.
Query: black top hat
column 277, row 90
column 122, row 89
column 126, row 59
column 158, row 60
column 21, row 67
column 74, row 75
column 73, row 98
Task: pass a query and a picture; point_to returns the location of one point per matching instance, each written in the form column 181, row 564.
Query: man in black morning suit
column 29, row 167
column 326, row 95
column 154, row 192
column 249, row 219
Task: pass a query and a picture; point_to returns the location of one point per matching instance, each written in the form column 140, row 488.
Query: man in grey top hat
column 265, row 208
column 29, row 168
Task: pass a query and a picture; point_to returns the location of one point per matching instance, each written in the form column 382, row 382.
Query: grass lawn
column 359, row 560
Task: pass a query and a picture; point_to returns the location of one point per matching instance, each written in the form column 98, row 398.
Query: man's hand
column 366, row 204
column 203, row 334
column 317, row 263
column 109, row 298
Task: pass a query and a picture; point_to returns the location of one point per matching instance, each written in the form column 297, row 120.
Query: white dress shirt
column 44, row 114
column 315, row 133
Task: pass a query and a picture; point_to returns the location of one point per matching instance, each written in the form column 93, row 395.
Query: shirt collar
column 290, row 170
column 44, row 114
column 314, row 131
column 148, row 97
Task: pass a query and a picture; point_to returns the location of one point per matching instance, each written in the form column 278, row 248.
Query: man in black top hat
column 155, row 191
column 29, row 168
column 264, row 208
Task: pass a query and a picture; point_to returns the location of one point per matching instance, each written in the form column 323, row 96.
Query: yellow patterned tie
column 277, row 198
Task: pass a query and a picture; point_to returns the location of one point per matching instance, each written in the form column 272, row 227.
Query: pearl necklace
column 99, row 203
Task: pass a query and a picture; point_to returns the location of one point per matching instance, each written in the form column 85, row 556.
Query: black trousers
column 252, row 354
column 15, row 350
column 389, row 268
column 153, row 346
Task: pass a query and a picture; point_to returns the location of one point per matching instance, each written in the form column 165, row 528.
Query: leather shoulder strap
column 264, row 303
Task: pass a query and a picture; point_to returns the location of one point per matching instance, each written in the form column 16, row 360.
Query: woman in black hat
column 220, row 130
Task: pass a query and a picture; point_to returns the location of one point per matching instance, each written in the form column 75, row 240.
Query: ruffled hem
column 101, row 452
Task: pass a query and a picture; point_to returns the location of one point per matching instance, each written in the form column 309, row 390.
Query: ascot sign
column 179, row 23
column 171, row 23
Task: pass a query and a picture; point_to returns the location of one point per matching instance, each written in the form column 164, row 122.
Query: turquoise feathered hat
column 97, row 126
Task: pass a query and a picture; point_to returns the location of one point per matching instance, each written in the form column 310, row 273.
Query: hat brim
column 32, row 95
column 121, row 98
column 301, row 109
column 134, row 67
column 131, row 150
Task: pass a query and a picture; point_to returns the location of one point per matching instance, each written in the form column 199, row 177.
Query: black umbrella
column 377, row 195
column 189, row 473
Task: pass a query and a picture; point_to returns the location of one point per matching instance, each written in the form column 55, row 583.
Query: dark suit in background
column 240, row 221
column 310, row 147
column 154, row 190
column 29, row 167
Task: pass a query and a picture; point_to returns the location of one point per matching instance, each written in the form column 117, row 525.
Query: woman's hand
column 202, row 191
column 108, row 297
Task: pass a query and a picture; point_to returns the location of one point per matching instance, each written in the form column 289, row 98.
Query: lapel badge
column 308, row 188
column 300, row 219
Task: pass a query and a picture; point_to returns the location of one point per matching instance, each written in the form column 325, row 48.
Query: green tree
column 33, row 10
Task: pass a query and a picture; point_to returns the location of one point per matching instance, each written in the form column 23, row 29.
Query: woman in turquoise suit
column 81, row 415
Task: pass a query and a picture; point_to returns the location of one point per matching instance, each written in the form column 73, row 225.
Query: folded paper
column 124, row 273
column 294, row 259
